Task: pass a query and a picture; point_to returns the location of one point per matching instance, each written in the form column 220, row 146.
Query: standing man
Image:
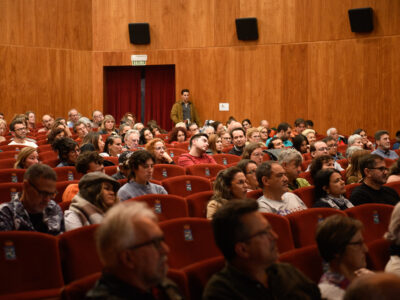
column 134, row 255
column 34, row 210
column 184, row 110
column 197, row 154
column 248, row 243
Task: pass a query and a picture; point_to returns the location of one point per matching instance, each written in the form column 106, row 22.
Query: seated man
column 284, row 131
column 134, row 255
column 81, row 130
column 97, row 118
column 299, row 127
column 193, row 129
column 333, row 148
column 18, row 131
column 291, row 160
column 87, row 162
column 238, row 136
column 197, row 154
column 47, row 122
column 141, row 165
column 248, row 244
column 382, row 141
column 320, row 148
column 132, row 139
column 274, row 183
column 276, row 143
column 34, row 210
column 372, row 190
column 333, row 132
column 73, row 117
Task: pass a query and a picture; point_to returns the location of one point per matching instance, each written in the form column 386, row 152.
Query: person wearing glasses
column 254, row 151
column 249, row 245
column 341, row 245
column 157, row 148
column 34, row 210
column 320, row 148
column 332, row 145
column 132, row 249
column 372, row 190
column 18, row 131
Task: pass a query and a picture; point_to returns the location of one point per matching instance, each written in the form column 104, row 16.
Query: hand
column 362, row 272
column 166, row 157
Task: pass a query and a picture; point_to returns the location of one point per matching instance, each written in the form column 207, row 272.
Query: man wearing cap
column 97, row 193
column 197, row 154
column 34, row 210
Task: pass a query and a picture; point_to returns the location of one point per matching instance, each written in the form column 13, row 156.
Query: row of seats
column 36, row 265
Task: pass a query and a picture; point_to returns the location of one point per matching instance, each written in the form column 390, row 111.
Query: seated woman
column 355, row 140
column 27, row 157
column 254, row 151
column 329, row 190
column 249, row 168
column 394, row 172
column 95, row 139
column 321, row 163
column 31, row 120
column 55, row 134
column 393, row 235
column 367, row 144
column 97, row 193
column 108, row 125
column 300, row 143
column 230, row 184
column 178, row 135
column 214, row 144
column 353, row 173
column 263, row 134
column 253, row 135
column 113, row 146
column 3, row 130
column 157, row 148
column 290, row 160
column 68, row 151
column 141, row 165
column 341, row 245
column 145, row 136
column 219, row 128
column 226, row 140
column 246, row 123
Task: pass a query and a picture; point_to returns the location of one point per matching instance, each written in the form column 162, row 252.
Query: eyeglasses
column 44, row 194
column 156, row 242
column 382, row 169
column 160, row 148
column 257, row 154
column 265, row 232
column 323, row 149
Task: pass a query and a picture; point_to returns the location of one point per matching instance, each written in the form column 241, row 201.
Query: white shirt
column 290, row 203
column 25, row 143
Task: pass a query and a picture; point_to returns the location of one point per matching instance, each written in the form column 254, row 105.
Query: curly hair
column 223, row 184
column 173, row 136
column 63, row 146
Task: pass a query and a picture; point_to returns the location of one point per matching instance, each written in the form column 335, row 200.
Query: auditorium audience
column 310, row 135
column 355, row 140
column 332, row 145
column 300, row 143
column 253, row 135
column 97, row 193
column 382, row 140
column 276, row 199
column 230, row 184
column 254, row 151
column 96, row 140
column 263, row 134
column 321, row 148
column 197, row 154
column 145, row 136
column 27, row 157
column 47, row 121
column 367, row 145
column 333, row 132
column 246, row 124
column 284, row 132
column 141, row 165
column 31, row 117
column 249, row 168
column 157, row 148
column 372, row 190
column 299, row 127
column 97, row 118
column 341, row 245
column 226, row 140
column 55, row 134
column 321, row 163
column 81, row 130
column 353, row 173
column 252, row 271
column 73, row 117
column 67, row 150
column 132, row 139
column 275, row 143
column 178, row 135
column 329, row 190
column 291, row 160
column 34, row 210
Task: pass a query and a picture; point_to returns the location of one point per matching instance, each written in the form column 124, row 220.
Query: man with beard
column 197, row 154
column 382, row 140
column 283, row 132
column 372, row 190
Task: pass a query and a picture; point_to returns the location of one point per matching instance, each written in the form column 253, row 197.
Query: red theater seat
column 350, row 188
column 281, row 226
column 197, row 203
column 255, row 194
column 186, row 185
column 77, row 289
column 190, row 240
column 204, row 170
column 164, row 171
column 30, row 265
column 8, row 189
column 7, row 163
column 378, row 254
column 226, row 159
column 307, row 194
column 304, row 224
column 12, row 175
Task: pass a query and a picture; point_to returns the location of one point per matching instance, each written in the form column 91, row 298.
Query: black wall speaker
column 246, row 29
column 361, row 19
column 139, row 33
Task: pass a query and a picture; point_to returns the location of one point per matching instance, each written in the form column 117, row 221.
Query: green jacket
column 177, row 113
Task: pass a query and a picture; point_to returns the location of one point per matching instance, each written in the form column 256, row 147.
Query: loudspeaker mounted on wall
column 361, row 19
column 246, row 29
column 139, row 33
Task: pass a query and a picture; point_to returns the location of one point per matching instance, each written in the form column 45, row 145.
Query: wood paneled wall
column 307, row 63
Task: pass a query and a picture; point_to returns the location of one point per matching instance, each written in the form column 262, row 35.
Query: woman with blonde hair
column 157, row 148
column 230, row 184
column 3, row 130
column 353, row 172
column 253, row 135
column 27, row 157
column 108, row 125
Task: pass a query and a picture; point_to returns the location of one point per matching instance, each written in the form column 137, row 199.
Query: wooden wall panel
column 46, row 23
